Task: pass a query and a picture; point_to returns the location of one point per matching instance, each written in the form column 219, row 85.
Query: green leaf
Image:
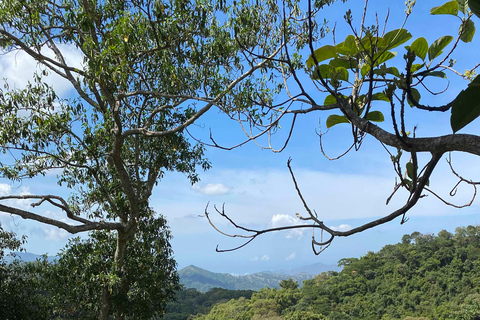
column 437, row 47
column 474, row 5
column 468, row 31
column 380, row 96
column 330, row 99
column 381, row 58
column 450, row 7
column 322, row 54
column 375, row 116
column 335, row 119
column 416, row 95
column 416, row 67
column 466, row 106
column 384, row 70
column 348, row 47
column 365, row 69
column 410, row 170
column 348, row 63
column 420, row 47
column 439, row 74
column 396, row 37
column 329, row 72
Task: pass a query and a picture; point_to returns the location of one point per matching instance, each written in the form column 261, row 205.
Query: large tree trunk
column 105, row 300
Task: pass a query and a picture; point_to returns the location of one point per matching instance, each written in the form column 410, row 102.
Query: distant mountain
column 27, row 257
column 314, row 269
column 203, row 280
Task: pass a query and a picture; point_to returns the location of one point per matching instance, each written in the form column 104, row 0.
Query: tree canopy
column 149, row 70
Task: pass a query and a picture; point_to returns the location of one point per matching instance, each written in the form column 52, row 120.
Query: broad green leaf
column 466, row 106
column 416, row 67
column 380, row 96
column 348, row 47
column 330, row 99
column 437, row 47
column 365, row 69
column 416, row 96
column 410, row 170
column 382, row 57
column 468, row 31
column 322, row 54
column 439, row 74
column 348, row 63
column 420, row 47
column 397, row 37
column 384, row 71
column 450, row 7
column 375, row 116
column 329, row 72
column 474, row 5
column 335, row 119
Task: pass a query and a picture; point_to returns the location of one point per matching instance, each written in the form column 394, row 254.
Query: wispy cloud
column 342, row 227
column 291, row 256
column 265, row 258
column 212, row 189
column 283, row 220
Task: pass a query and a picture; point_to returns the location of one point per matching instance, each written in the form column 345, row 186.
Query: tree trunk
column 105, row 300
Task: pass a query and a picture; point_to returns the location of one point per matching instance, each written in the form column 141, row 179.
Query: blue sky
column 256, row 187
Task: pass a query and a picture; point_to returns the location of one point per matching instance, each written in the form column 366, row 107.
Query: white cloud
column 212, row 188
column 283, row 220
column 5, row 189
column 56, row 234
column 265, row 258
column 342, row 227
column 18, row 68
column 291, row 256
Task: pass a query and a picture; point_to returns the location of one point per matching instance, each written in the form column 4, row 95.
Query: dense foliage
column 20, row 297
column 190, row 301
column 423, row 277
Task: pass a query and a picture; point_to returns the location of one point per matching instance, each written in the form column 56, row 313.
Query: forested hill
column 422, row 277
column 203, row 280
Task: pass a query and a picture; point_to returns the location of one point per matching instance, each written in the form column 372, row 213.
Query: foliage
column 149, row 70
column 75, row 280
column 190, row 301
column 423, row 277
column 20, row 297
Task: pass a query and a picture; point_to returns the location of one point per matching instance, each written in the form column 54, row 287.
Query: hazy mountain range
column 204, row 280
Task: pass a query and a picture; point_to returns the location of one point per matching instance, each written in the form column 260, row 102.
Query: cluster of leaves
column 366, row 57
column 423, row 277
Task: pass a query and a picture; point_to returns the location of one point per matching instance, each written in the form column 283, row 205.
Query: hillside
column 203, row 280
column 423, row 277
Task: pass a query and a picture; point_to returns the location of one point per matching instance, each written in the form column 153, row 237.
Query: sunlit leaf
column 335, row 119
column 450, row 7
column 322, row 54
column 348, row 47
column 468, row 31
column 420, row 47
column 437, row 47
column 380, row 96
column 330, row 99
column 397, row 37
column 329, row 72
column 462, row 6
column 466, row 106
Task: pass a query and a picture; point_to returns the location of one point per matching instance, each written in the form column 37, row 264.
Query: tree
column 355, row 78
column 20, row 297
column 150, row 69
